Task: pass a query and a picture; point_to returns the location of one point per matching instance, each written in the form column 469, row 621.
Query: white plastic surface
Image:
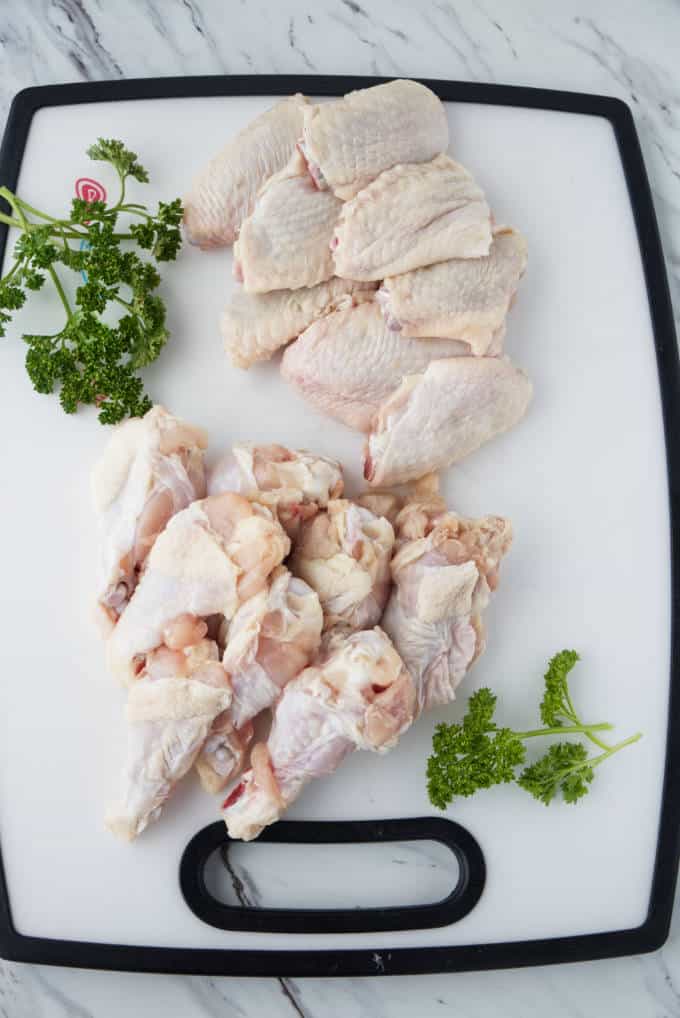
column 582, row 478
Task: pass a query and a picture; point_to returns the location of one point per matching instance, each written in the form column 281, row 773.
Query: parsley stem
column 610, row 750
column 19, row 203
column 60, row 291
column 6, row 278
column 570, row 705
column 596, row 741
column 565, row 730
column 122, row 177
column 9, row 221
column 135, row 210
column 28, row 227
column 24, row 221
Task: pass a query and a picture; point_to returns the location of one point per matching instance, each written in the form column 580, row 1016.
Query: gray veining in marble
column 610, row 46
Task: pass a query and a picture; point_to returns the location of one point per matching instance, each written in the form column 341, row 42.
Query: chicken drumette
column 359, row 696
column 170, row 710
column 444, row 570
column 293, row 484
column 344, row 554
column 151, row 469
column 209, row 560
column 270, row 640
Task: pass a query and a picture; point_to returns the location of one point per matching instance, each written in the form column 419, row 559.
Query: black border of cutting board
column 369, row 961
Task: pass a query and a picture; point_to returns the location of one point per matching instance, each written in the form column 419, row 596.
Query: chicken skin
column 270, row 640
column 209, row 560
column 464, row 298
column 223, row 194
column 170, row 710
column 151, row 469
column 255, row 326
column 360, row 696
column 437, row 418
column 410, row 216
column 444, row 569
column 348, row 363
column 344, row 555
column 349, row 142
column 284, row 243
column 294, row 484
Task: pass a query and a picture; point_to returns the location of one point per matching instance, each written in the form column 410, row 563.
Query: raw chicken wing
column 359, row 697
column 224, row 193
column 443, row 570
column 151, row 469
column 439, row 417
column 349, row 142
column 210, row 558
column 349, row 362
column 344, row 554
column 271, row 639
column 284, row 243
column 412, row 215
column 255, row 326
column 466, row 299
column 294, row 484
column 170, row 710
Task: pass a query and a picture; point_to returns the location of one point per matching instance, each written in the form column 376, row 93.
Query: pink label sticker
column 90, row 190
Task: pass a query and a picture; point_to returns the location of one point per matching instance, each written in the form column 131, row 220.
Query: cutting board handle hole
column 331, row 875
column 431, row 867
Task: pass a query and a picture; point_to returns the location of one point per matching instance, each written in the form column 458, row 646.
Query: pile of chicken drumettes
column 255, row 591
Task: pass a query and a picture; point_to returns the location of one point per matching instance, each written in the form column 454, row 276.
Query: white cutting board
column 582, row 478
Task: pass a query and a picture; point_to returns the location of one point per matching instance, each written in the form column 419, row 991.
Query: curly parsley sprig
column 477, row 753
column 92, row 361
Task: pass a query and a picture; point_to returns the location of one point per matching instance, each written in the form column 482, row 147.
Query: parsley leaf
column 475, row 754
column 566, row 767
column 109, row 150
column 556, row 705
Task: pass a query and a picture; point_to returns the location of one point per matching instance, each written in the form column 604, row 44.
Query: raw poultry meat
column 224, row 753
column 170, row 710
column 439, row 417
column 294, row 484
column 466, row 299
column 151, row 469
column 389, row 502
column 344, row 555
column 255, row 326
column 349, row 362
column 284, row 243
column 224, row 192
column 349, row 142
column 271, row 639
column 412, row 215
column 210, row 558
column 359, row 697
column 381, row 503
column 444, row 569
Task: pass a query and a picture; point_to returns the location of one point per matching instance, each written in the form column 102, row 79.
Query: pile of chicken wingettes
column 258, row 589
column 360, row 242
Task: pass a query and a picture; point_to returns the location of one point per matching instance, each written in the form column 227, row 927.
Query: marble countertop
column 605, row 46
